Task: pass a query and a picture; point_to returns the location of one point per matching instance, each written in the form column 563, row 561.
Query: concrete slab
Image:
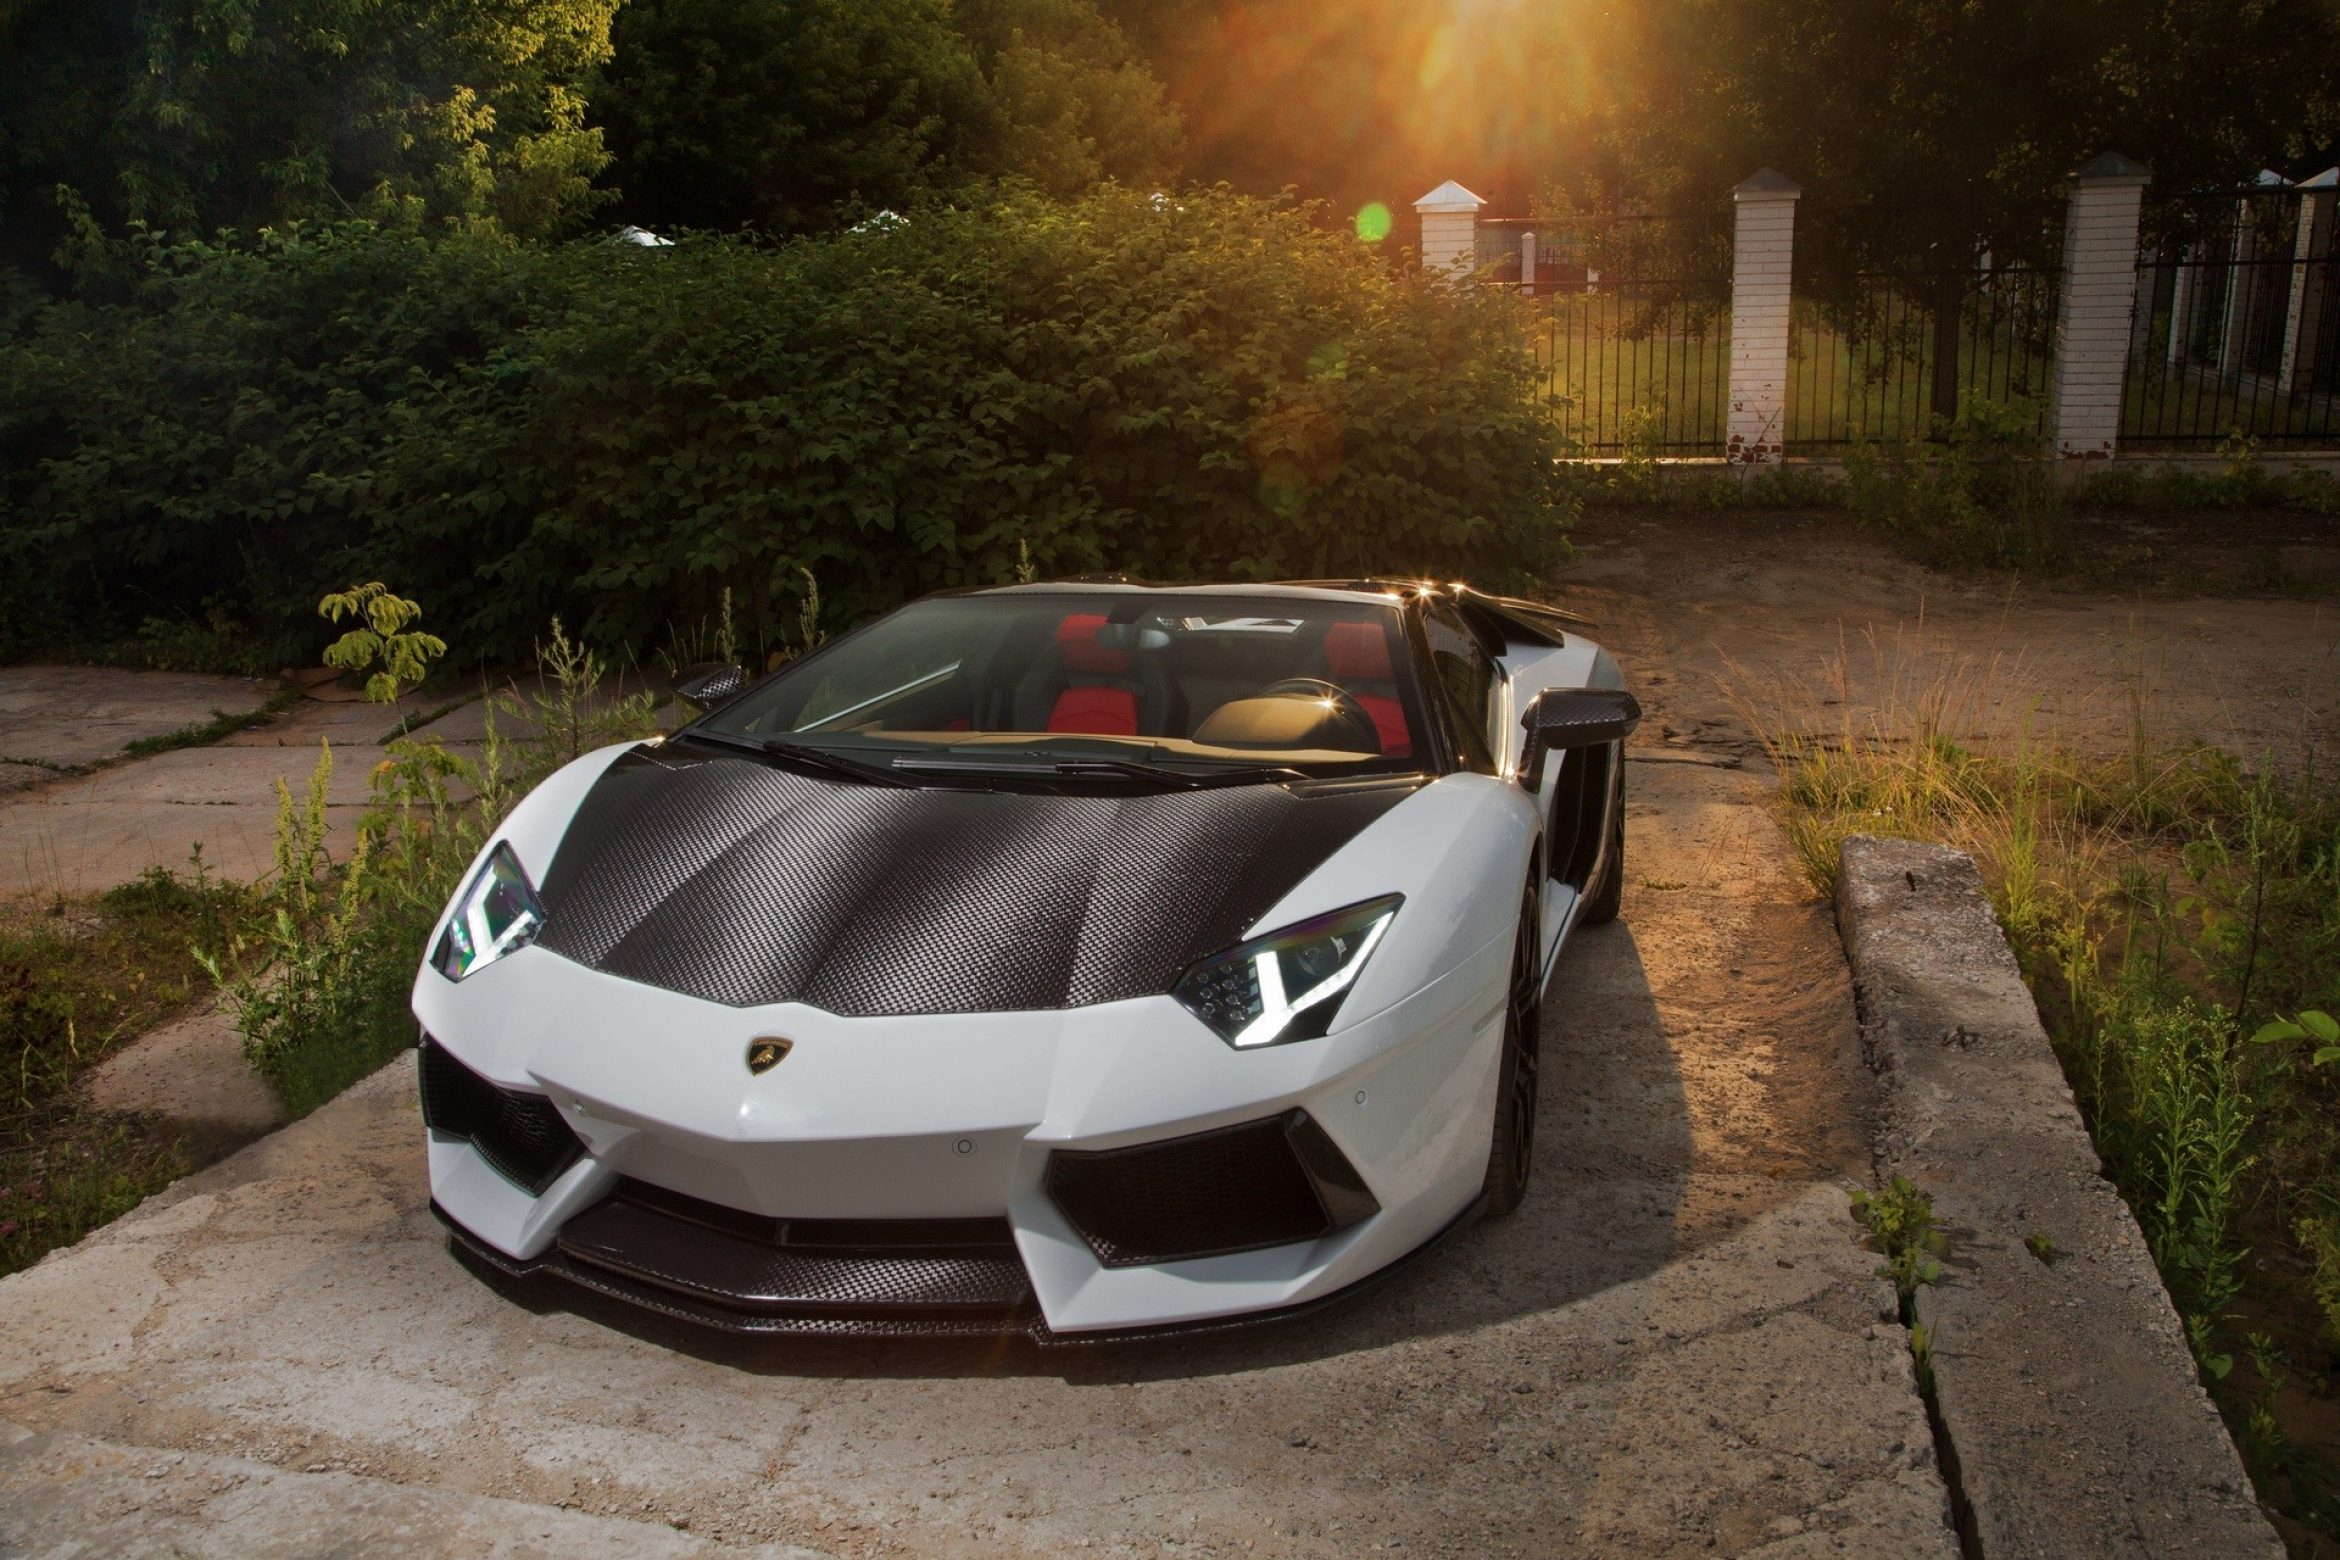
column 74, row 1495
column 220, row 777
column 2069, row 1398
column 72, row 848
column 1675, row 1348
column 193, row 1071
column 84, row 834
column 343, row 723
column 75, row 715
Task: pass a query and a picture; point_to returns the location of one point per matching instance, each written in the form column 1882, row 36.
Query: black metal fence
column 1901, row 356
column 2236, row 333
column 1630, row 319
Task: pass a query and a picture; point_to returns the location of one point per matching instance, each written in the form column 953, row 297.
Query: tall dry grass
column 2165, row 899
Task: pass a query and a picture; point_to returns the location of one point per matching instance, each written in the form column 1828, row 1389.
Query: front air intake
column 521, row 1135
column 1242, row 1188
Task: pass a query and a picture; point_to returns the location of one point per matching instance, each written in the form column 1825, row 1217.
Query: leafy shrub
column 1984, row 497
column 320, row 986
column 1213, row 386
column 2240, row 480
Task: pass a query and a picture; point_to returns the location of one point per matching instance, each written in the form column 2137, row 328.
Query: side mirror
column 704, row 687
column 1563, row 718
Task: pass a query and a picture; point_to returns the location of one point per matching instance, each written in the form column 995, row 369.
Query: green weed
column 2168, row 904
column 1900, row 1220
column 77, row 979
column 320, row 986
column 1982, row 496
column 220, row 727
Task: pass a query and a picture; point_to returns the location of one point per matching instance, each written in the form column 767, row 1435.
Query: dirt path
column 1674, row 1348
column 1685, row 599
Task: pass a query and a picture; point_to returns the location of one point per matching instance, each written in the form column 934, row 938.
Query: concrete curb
column 2072, row 1418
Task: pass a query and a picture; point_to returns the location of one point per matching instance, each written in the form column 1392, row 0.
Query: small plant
column 2041, row 1245
column 2322, row 1028
column 392, row 655
column 1921, row 1357
column 808, row 616
column 298, row 982
column 1900, row 1220
column 2319, row 1237
column 569, row 713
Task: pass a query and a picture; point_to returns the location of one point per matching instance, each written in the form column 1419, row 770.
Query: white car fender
column 1441, row 848
column 533, row 829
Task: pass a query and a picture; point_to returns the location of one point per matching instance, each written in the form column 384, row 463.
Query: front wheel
column 1511, row 1156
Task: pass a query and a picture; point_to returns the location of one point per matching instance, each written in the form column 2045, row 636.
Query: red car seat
column 1099, row 697
column 1356, row 655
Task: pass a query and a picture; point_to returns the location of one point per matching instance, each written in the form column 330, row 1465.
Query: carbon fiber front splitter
column 849, row 1318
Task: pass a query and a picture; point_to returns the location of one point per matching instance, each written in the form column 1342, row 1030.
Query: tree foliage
column 789, row 115
column 1216, row 386
column 771, row 113
column 200, row 114
column 1933, row 129
column 1072, row 103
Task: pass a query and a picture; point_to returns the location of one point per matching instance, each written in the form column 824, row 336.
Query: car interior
column 1320, row 681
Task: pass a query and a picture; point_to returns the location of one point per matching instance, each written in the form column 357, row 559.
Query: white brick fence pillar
column 2308, row 282
column 1762, row 267
column 2092, row 319
column 1450, row 229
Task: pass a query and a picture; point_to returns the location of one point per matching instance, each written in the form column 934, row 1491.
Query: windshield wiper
column 1082, row 768
column 800, row 755
column 830, row 763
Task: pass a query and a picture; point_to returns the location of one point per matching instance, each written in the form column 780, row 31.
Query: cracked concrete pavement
column 1675, row 1347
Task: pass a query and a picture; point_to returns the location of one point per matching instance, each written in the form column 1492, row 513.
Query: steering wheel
column 1344, row 703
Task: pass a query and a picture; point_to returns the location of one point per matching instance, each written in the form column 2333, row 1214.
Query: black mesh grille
column 807, row 1267
column 521, row 1135
column 1240, row 1188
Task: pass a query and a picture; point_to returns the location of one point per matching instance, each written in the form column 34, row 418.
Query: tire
column 1511, row 1152
column 1607, row 893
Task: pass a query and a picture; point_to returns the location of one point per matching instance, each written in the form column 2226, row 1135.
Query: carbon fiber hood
column 732, row 880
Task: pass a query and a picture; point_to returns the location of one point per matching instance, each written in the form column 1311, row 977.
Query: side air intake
column 1242, row 1188
column 522, row 1135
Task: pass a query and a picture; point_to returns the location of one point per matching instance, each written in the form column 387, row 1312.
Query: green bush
column 1213, row 386
column 1983, row 497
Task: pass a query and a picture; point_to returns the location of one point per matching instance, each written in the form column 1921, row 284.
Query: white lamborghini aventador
column 1067, row 959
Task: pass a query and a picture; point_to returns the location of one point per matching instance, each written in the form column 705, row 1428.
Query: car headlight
column 1288, row 984
column 496, row 913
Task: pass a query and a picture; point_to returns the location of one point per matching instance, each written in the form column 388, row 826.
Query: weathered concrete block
column 2069, row 1398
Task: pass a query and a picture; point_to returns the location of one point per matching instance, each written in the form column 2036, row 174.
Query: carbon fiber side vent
column 521, row 1135
column 1241, row 1188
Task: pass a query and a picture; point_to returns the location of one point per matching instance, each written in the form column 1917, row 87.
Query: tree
column 789, row 115
column 1927, row 131
column 1072, row 103
column 775, row 113
column 220, row 113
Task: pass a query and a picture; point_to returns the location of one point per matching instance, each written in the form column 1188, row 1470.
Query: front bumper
column 695, row 1186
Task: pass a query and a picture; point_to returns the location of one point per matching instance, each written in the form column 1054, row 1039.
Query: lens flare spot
column 1373, row 222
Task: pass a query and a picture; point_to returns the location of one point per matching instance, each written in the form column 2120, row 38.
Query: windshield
column 1099, row 682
